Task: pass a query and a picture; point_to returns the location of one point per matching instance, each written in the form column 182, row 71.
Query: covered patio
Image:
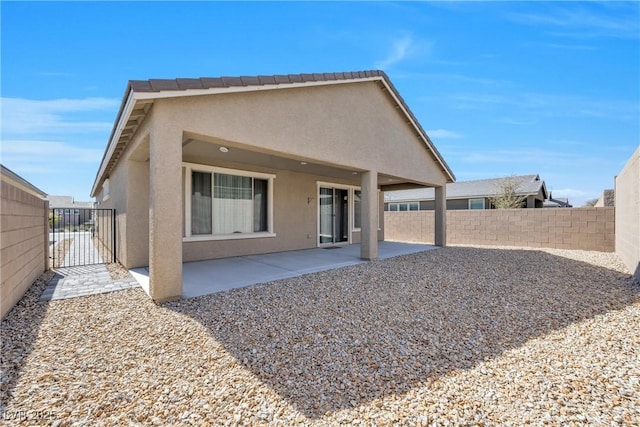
column 205, row 169
column 216, row 275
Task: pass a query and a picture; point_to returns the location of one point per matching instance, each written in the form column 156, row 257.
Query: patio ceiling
column 209, row 152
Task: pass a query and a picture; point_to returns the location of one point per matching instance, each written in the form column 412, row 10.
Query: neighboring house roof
column 67, row 202
column 607, row 199
column 20, row 182
column 139, row 96
column 528, row 185
column 557, row 202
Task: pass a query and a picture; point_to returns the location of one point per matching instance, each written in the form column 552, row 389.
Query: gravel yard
column 459, row 335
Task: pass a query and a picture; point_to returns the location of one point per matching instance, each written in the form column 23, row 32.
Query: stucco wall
column 627, row 202
column 24, row 243
column 584, row 228
column 352, row 125
column 295, row 218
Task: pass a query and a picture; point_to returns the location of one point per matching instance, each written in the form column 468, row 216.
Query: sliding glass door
column 333, row 215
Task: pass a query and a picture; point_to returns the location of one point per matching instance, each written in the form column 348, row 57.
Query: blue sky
column 502, row 87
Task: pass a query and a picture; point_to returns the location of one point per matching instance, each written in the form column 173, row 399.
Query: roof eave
column 128, row 100
column 416, row 125
column 136, row 91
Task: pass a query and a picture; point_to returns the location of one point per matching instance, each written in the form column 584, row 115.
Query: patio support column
column 165, row 210
column 441, row 216
column 369, row 212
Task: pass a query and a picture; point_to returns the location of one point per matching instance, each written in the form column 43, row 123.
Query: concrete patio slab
column 211, row 276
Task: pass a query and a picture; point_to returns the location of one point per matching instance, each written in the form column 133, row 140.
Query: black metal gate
column 80, row 237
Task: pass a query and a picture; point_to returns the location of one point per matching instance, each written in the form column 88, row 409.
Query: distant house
column 468, row 194
column 606, row 199
column 556, row 202
column 70, row 213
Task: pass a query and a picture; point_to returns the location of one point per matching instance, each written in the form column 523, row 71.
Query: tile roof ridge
column 181, row 83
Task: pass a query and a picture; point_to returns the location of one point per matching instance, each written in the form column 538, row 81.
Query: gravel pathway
column 456, row 336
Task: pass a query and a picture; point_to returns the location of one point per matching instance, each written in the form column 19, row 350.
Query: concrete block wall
column 583, row 228
column 627, row 202
column 24, row 242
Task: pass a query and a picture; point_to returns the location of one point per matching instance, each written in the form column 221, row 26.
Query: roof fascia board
column 249, row 88
column 124, row 117
column 478, row 196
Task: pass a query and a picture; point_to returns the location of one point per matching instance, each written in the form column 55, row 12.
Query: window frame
column 475, row 200
column 352, row 202
column 353, row 208
column 189, row 168
column 399, row 205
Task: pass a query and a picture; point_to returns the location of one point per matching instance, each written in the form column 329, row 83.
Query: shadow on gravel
column 333, row 340
column 18, row 333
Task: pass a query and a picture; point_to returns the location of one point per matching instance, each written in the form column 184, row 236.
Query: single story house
column 218, row 167
column 70, row 213
column 468, row 194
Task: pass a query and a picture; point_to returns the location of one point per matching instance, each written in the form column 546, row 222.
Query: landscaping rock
column 455, row 336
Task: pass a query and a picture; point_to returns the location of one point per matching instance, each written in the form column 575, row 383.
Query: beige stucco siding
column 344, row 132
column 117, row 200
column 352, row 125
column 129, row 196
column 295, row 219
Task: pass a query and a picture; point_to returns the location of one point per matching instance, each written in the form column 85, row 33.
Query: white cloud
column 56, row 144
column 569, row 46
column 582, row 22
column 569, row 192
column 550, row 105
column 517, row 122
column 576, row 197
column 443, row 134
column 55, row 74
column 399, row 51
column 47, row 152
column 35, row 117
column 530, row 156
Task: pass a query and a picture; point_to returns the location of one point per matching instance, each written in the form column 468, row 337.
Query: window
column 232, row 204
column 476, row 203
column 404, row 206
column 201, row 216
column 226, row 203
column 357, row 209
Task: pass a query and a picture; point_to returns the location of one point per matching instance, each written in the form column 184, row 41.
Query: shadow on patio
column 333, row 340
